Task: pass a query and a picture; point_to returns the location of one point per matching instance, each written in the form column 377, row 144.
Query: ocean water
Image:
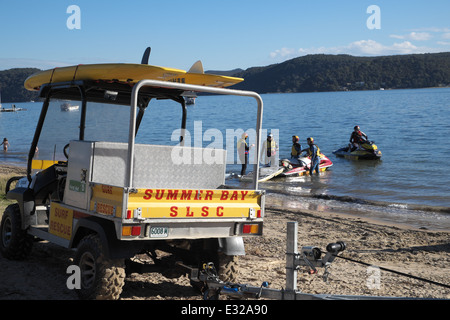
column 410, row 184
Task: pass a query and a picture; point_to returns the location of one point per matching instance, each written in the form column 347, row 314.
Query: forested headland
column 11, row 85
column 311, row 73
column 322, row 72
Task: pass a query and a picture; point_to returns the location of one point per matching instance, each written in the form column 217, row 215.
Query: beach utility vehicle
column 93, row 183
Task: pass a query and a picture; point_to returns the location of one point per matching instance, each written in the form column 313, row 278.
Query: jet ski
column 265, row 174
column 289, row 168
column 367, row 151
column 301, row 168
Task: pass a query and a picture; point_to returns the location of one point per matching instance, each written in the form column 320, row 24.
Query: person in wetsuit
column 243, row 150
column 269, row 150
column 313, row 152
column 296, row 149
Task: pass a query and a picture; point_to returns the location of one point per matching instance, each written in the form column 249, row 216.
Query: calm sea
column 411, row 184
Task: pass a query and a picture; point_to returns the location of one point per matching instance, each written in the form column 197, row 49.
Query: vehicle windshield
column 104, row 122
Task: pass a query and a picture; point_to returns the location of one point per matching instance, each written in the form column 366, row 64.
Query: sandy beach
column 422, row 253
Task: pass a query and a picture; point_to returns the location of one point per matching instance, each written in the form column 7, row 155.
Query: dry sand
column 424, row 254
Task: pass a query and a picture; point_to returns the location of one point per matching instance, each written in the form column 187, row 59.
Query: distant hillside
column 310, row 73
column 344, row 72
column 229, row 73
column 11, row 85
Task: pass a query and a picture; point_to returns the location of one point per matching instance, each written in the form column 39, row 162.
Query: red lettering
column 205, row 211
column 172, row 195
column 198, row 195
column 106, row 189
column 186, row 195
column 173, row 211
column 60, row 228
column 159, row 194
column 209, row 195
column 188, row 212
column 234, row 196
column 244, row 193
column 224, row 195
column 219, row 211
column 61, row 213
column 148, row 194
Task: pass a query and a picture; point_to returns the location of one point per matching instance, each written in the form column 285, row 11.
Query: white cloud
column 356, row 48
column 416, row 36
column 432, row 29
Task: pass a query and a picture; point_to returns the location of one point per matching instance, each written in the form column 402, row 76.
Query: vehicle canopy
column 135, row 95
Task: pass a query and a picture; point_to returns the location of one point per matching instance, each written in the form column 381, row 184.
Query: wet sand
column 423, row 254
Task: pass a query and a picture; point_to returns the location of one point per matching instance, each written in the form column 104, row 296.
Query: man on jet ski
column 356, row 139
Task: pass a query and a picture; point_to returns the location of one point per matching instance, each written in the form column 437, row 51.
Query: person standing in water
column 5, row 144
column 314, row 154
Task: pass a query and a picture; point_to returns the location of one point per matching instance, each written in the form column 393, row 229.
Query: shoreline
column 10, row 169
column 352, row 216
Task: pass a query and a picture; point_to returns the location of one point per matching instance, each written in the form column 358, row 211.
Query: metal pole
column 291, row 253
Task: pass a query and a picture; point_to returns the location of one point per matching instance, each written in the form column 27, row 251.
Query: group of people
column 312, row 151
column 270, row 148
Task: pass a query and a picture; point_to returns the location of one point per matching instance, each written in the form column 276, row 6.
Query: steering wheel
column 65, row 151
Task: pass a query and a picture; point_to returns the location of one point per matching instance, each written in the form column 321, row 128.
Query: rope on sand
column 396, row 272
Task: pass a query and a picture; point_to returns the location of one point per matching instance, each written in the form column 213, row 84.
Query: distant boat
column 68, row 107
column 190, row 100
column 189, row 97
column 13, row 109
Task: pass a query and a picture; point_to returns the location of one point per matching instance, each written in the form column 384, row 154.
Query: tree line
column 11, row 85
column 311, row 73
column 321, row 72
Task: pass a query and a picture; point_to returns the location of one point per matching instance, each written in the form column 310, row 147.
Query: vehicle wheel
column 101, row 278
column 227, row 267
column 15, row 243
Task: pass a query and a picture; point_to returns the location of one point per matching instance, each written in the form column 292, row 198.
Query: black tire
column 101, row 278
column 15, row 243
column 227, row 267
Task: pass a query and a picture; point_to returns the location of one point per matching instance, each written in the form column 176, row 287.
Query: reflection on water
column 418, row 219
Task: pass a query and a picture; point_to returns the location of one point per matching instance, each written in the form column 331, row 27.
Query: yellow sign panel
column 61, row 220
column 42, row 164
column 189, row 203
column 107, row 200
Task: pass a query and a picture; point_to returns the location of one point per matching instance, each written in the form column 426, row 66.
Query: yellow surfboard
column 125, row 72
column 205, row 79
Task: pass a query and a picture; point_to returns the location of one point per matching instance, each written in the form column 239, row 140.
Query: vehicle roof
column 96, row 91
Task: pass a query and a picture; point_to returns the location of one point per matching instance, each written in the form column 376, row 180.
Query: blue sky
column 223, row 34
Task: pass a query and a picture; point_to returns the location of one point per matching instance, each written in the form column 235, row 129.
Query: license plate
column 159, row 232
